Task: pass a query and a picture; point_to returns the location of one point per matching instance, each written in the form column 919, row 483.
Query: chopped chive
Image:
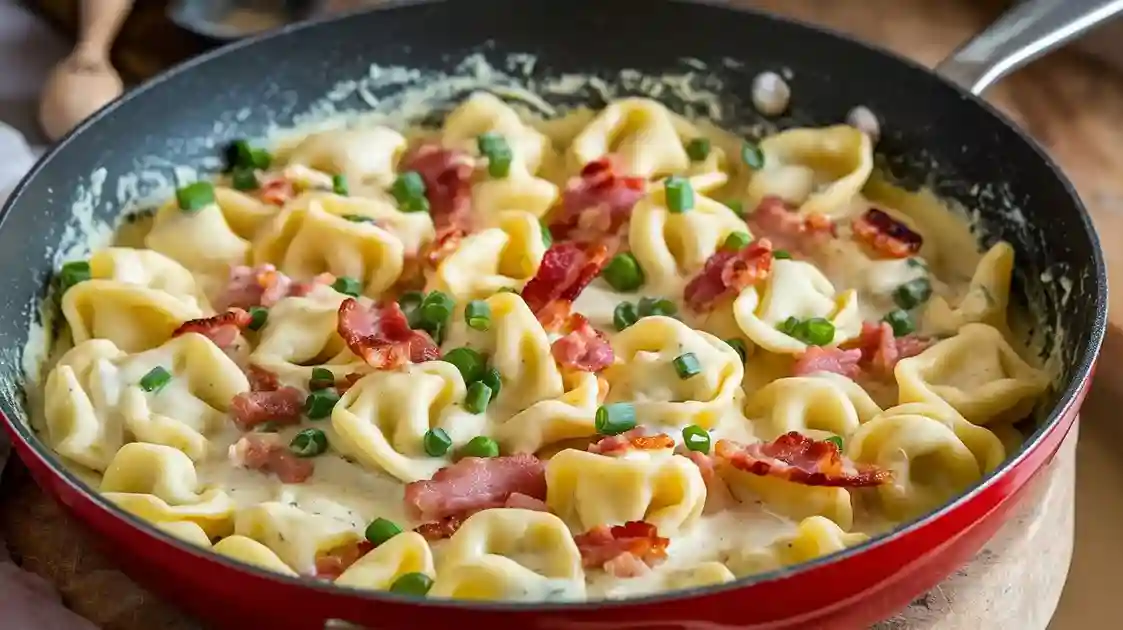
column 195, row 197
column 623, row 272
column 258, row 316
column 478, row 398
column 752, row 156
column 435, row 309
column 615, row 419
column 244, row 179
column 480, row 446
column 740, row 347
column 477, row 314
column 319, row 404
column 409, row 191
column 901, row 322
column 358, row 218
column 680, row 194
column 687, row 365
column 913, row 293
column 155, row 380
column 436, row 442
column 309, row 443
column 412, row 584
column 380, row 530
column 72, row 273
column 696, row 439
column 347, row 286
column 836, row 440
column 736, row 241
column 339, row 185
column 698, row 149
column 624, row 315
column 471, row 364
column 321, row 378
column 547, row 237
column 781, row 254
column 817, row 331
column 657, row 307
column 493, row 379
column 736, row 206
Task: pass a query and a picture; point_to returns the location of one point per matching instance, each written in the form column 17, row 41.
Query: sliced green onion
column 913, row 293
column 478, row 398
column 547, row 237
column 789, row 326
column 242, row 155
column 752, row 156
column 698, row 149
column 380, row 530
column 412, row 584
column 623, row 272
column 624, row 315
column 409, row 191
column 740, row 347
column 470, row 363
column 736, row 206
column 347, row 286
column 781, row 254
column 258, row 316
column 321, row 378
column 244, row 179
column 477, row 314
column 480, row 446
column 72, row 273
column 901, row 322
column 736, row 241
column 268, row 426
column 499, row 163
column 410, row 300
column 916, row 263
column 680, row 194
column 435, row 309
column 339, row 185
column 615, row 419
column 318, row 404
column 836, row 440
column 687, row 365
column 309, row 443
column 436, row 442
column 696, row 439
column 155, row 380
column 195, row 197
column 657, row 306
column 817, row 331
column 490, row 142
column 493, row 379
column 358, row 218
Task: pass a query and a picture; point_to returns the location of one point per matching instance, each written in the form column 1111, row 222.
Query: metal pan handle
column 1022, row 34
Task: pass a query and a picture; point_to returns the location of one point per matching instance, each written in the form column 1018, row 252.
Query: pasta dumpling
column 211, row 239
column 977, row 372
column 253, row 553
column 149, row 269
column 366, row 155
column 814, row 537
column 817, row 406
column 986, row 299
column 546, row 422
column 383, row 417
column 503, row 257
column 589, row 489
column 645, row 375
column 820, row 171
column 510, row 554
column 295, row 536
column 795, row 289
column 158, row 483
column 788, row 498
column 407, row 552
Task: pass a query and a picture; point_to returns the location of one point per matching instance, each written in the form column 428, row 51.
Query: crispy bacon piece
column 583, row 347
column 282, row 406
column 276, row 191
column 603, row 546
column 441, row 528
column 522, row 501
column 718, row 495
column 382, row 336
column 800, row 459
column 884, row 235
column 447, row 174
column 597, row 204
column 332, row 563
column 636, row 439
column 347, row 382
column 265, row 452
column 727, row 272
column 566, row 269
column 881, row 349
column 837, row 360
column 446, row 242
column 222, row 329
column 262, row 285
column 789, row 230
column 261, row 379
column 476, row 483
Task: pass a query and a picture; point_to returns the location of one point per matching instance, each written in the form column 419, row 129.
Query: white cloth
column 28, row 50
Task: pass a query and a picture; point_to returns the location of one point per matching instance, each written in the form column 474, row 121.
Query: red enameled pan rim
column 1085, row 361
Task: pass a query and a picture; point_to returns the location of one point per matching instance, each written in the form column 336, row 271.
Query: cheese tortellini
column 294, row 535
column 210, row 239
column 503, row 257
column 820, row 405
column 363, row 155
column 407, row 552
column 815, row 537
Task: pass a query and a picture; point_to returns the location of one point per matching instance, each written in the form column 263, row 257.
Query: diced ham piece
column 583, row 347
column 262, row 285
column 476, row 483
column 836, row 360
column 597, row 204
column 266, row 453
column 347, row 382
column 789, row 230
column 331, row 564
column 873, row 354
column 603, row 547
column 447, row 174
column 885, row 236
column 277, row 191
column 283, row 406
column 727, row 272
column 566, row 269
column 797, row 458
column 521, row 501
column 718, row 495
column 636, row 439
column 261, row 379
column 222, row 329
column 381, row 335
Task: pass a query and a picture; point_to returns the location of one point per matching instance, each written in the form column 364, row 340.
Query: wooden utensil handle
column 100, row 21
